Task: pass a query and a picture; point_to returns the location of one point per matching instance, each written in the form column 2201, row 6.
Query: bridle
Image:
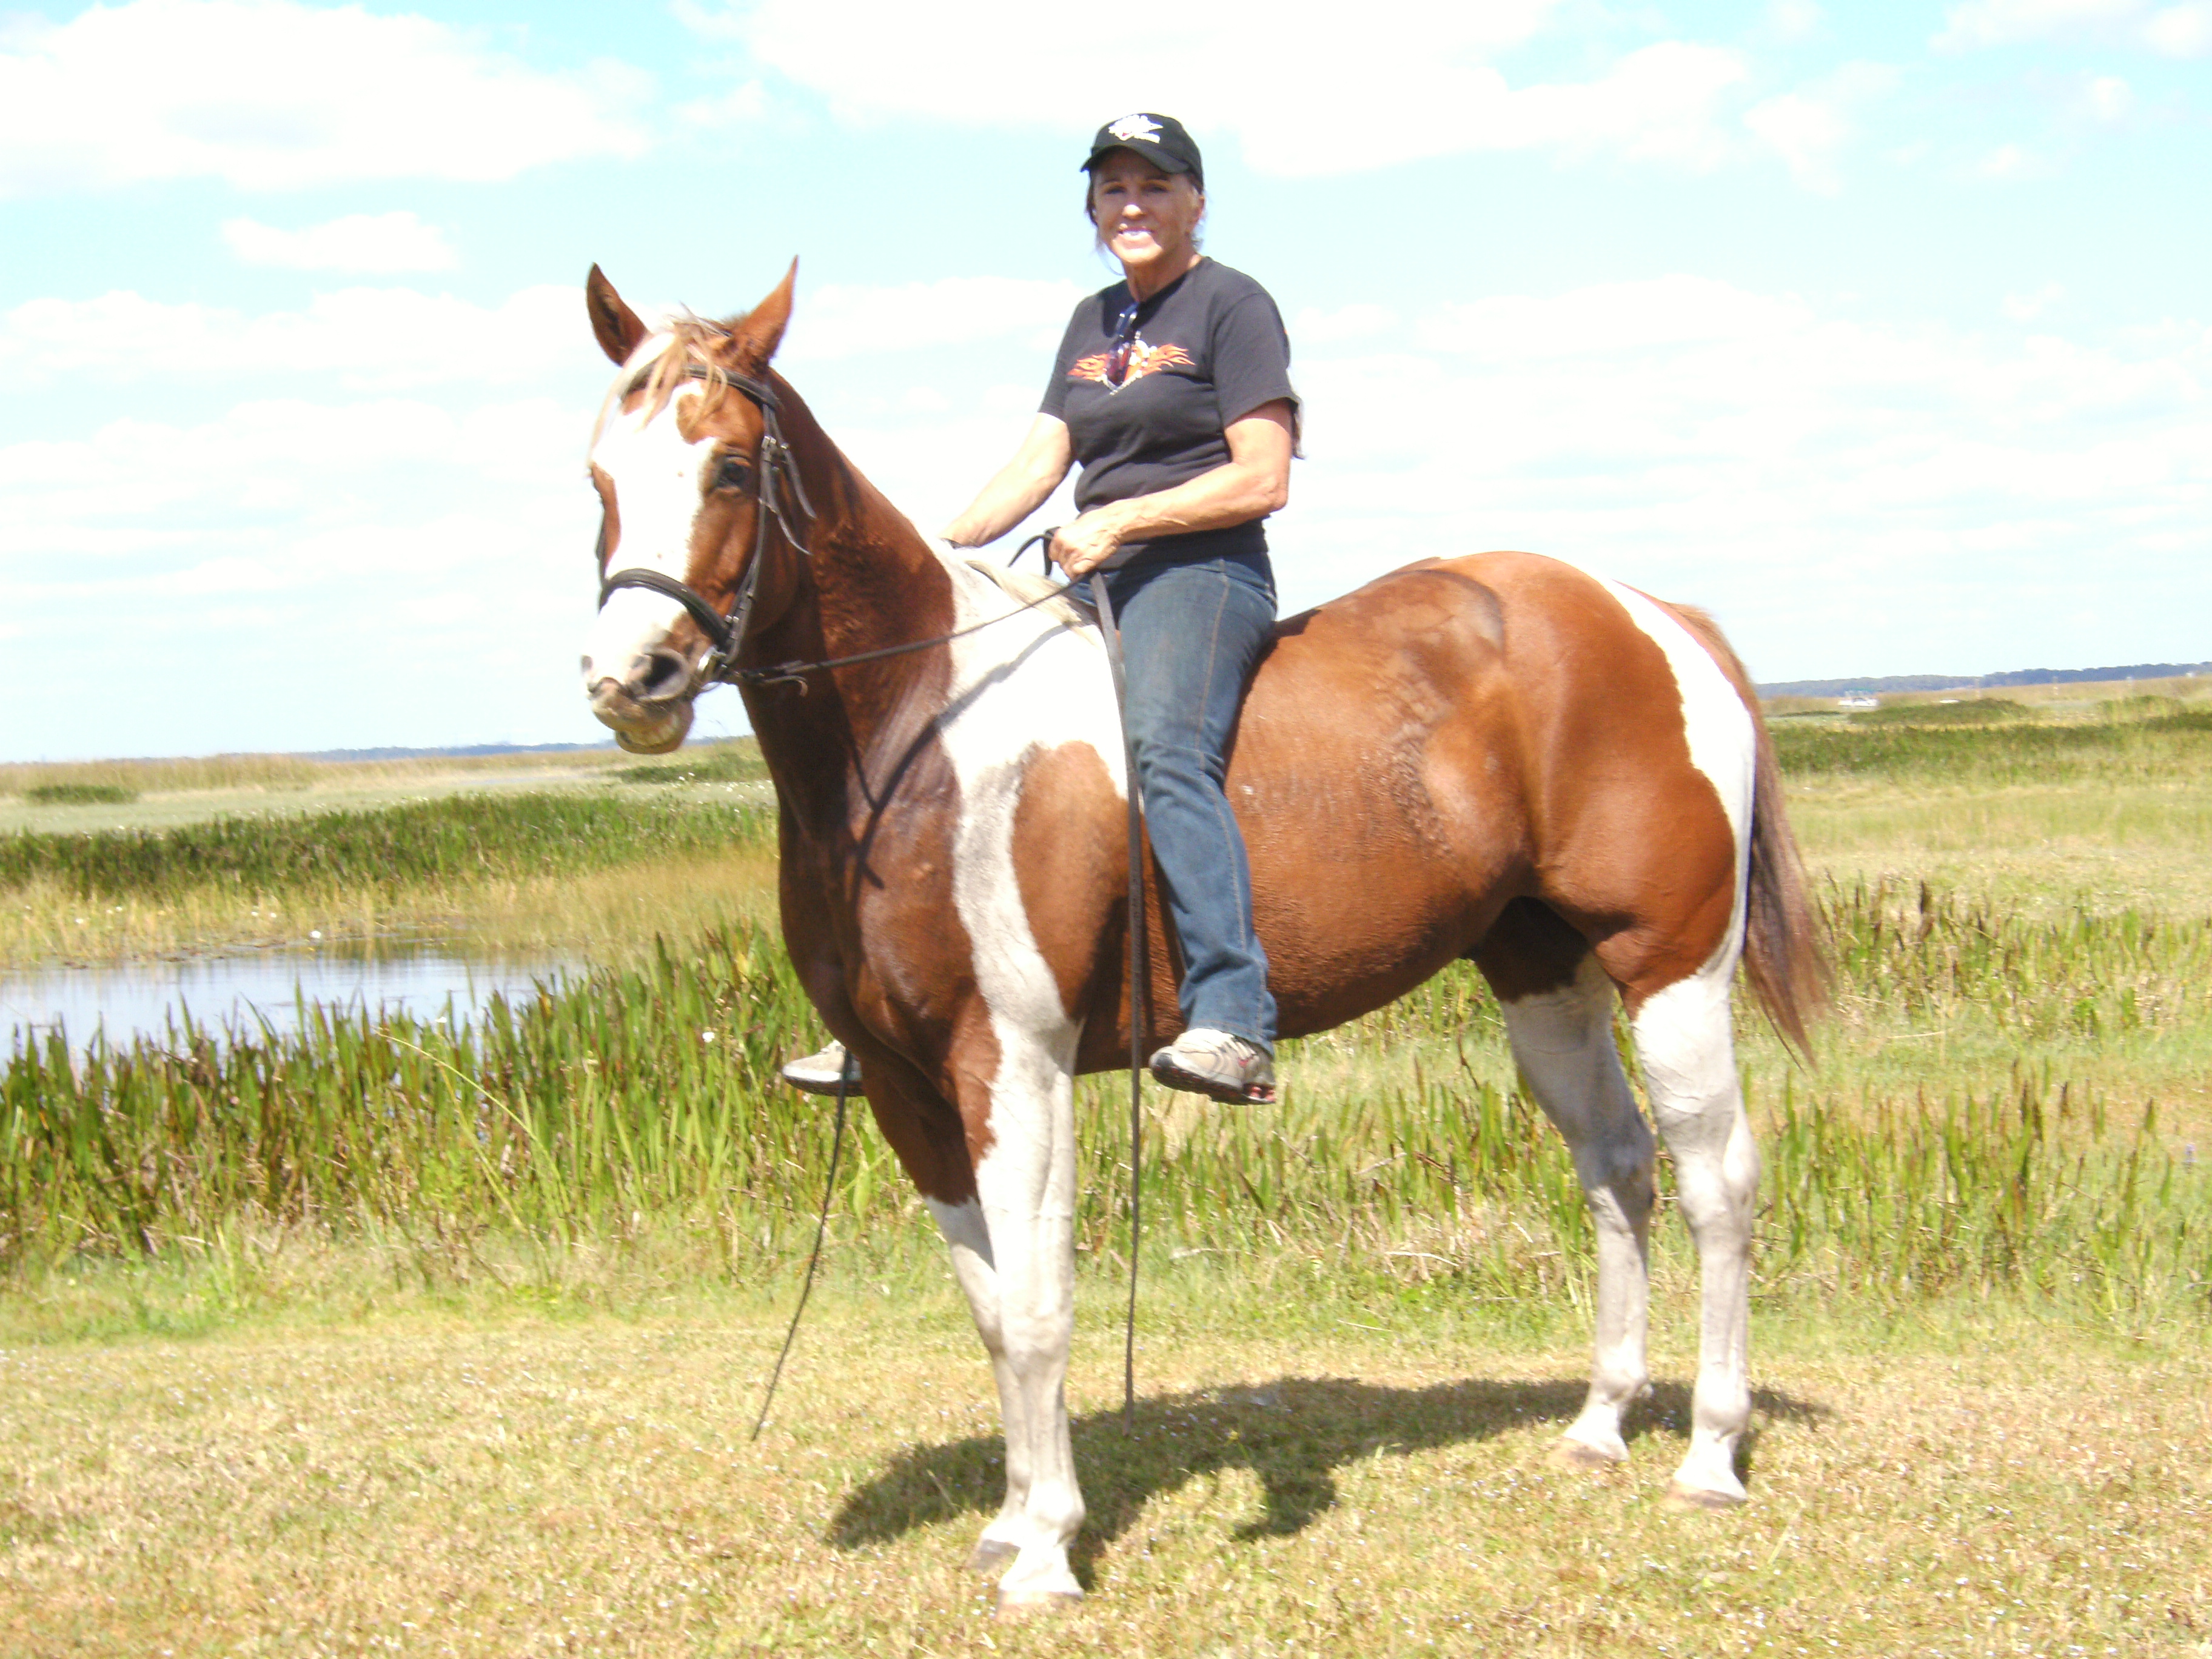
column 726, row 629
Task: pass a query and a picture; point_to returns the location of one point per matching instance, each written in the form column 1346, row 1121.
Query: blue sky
column 1884, row 331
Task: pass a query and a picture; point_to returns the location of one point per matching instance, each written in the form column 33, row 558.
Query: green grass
column 1919, row 753
column 1979, row 711
column 647, row 1099
column 458, row 838
column 80, row 795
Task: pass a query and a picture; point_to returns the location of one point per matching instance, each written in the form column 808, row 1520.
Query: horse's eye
column 734, row 473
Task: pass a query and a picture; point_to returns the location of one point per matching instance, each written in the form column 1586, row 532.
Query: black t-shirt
column 1211, row 348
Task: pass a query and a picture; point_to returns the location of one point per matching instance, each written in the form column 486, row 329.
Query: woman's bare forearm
column 1020, row 487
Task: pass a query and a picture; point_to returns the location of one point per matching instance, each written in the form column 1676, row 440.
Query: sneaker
column 818, row 1073
column 1218, row 1065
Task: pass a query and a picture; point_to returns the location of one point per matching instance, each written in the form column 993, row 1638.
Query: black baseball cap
column 1159, row 139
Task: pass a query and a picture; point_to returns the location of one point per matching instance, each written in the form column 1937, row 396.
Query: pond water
column 133, row 999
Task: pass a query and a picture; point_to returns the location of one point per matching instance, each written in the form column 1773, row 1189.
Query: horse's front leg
column 1013, row 1250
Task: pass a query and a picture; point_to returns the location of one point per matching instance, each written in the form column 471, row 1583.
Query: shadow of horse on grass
column 1292, row 1434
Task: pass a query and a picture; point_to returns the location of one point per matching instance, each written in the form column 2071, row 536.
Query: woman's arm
column 1253, row 482
column 1020, row 487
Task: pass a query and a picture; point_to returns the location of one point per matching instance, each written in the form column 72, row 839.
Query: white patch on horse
column 658, row 489
column 1020, row 688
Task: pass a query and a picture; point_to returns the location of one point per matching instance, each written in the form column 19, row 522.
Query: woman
column 1172, row 391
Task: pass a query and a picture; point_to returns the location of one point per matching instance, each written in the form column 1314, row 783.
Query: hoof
column 1679, row 1497
column 1038, row 1604
column 1577, row 1454
column 990, row 1556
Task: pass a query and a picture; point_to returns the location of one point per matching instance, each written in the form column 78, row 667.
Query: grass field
column 503, row 855
column 390, row 1338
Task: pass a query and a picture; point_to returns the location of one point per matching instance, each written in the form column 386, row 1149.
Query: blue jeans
column 1191, row 636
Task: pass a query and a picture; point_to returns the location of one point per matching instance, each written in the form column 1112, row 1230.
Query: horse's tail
column 1781, row 954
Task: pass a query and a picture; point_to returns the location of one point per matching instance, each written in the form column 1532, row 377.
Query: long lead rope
column 813, row 1260
column 1139, row 974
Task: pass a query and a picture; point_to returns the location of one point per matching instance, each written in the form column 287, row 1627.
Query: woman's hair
column 1098, row 231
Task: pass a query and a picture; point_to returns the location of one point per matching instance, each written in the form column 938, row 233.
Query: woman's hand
column 1081, row 546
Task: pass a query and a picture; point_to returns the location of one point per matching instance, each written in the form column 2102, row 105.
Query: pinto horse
column 1496, row 756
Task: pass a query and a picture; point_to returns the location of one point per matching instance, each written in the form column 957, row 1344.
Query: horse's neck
column 868, row 583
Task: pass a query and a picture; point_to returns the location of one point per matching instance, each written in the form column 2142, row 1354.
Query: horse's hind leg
column 1686, row 1047
column 1562, row 1038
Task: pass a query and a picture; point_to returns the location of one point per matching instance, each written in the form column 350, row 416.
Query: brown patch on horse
column 1636, row 851
column 1383, row 847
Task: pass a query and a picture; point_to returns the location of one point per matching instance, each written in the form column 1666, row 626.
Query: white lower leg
column 1563, row 1042
column 963, row 1227
column 1685, row 1041
column 1026, row 1189
column 1036, row 1305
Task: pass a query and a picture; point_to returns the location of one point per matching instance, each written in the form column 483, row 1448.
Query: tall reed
column 457, row 837
column 648, row 1098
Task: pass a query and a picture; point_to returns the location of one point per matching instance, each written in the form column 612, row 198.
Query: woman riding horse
column 1172, row 391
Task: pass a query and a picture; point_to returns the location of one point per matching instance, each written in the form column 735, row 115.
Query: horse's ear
column 757, row 338
column 616, row 324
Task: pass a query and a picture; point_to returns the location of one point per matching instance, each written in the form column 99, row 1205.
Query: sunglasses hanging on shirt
column 1125, row 344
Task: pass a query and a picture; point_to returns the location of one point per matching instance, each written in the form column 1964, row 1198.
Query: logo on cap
column 1132, row 128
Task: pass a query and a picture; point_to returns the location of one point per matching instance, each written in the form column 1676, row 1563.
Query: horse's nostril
column 657, row 675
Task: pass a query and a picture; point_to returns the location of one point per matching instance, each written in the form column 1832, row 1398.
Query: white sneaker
column 1217, row 1066
column 819, row 1073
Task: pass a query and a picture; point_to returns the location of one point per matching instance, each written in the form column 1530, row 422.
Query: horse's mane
column 689, row 340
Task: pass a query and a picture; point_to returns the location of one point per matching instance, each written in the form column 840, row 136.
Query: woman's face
column 1146, row 218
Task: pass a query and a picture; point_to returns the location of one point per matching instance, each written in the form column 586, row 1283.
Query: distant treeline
column 2141, row 671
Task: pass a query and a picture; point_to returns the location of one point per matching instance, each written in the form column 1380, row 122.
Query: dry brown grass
column 440, row 1486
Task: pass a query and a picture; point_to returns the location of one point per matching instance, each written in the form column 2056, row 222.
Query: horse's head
column 680, row 464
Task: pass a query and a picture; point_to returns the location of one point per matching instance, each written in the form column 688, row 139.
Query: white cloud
column 1358, row 321
column 2022, row 308
column 2005, row 161
column 1807, row 128
column 270, row 94
column 741, row 105
column 137, row 487
column 2180, row 31
column 1305, row 94
column 845, row 321
column 1609, row 320
column 363, row 337
column 2108, row 97
column 2175, row 31
column 359, row 242
column 1794, row 20
column 1830, row 483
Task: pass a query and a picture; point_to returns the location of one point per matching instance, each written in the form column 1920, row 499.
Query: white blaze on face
column 658, row 488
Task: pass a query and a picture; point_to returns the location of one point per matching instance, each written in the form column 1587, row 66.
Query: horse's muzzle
column 643, row 724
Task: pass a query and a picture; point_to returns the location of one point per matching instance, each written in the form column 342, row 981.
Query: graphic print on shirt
column 1143, row 360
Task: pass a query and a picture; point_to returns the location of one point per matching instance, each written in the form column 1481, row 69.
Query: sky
column 1883, row 331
